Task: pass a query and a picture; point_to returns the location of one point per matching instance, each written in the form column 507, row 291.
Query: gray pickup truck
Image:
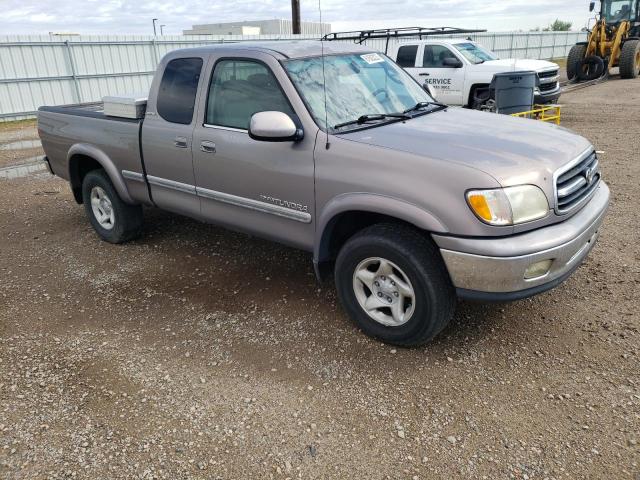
column 338, row 151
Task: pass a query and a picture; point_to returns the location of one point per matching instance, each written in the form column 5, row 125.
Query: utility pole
column 162, row 30
column 295, row 16
column 154, row 26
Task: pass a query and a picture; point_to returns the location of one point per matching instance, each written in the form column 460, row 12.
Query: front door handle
column 181, row 142
column 208, row 147
column 424, row 74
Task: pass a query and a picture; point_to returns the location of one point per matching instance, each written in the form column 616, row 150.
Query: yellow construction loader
column 614, row 41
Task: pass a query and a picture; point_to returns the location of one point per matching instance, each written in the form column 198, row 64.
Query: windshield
column 357, row 85
column 475, row 53
column 614, row 11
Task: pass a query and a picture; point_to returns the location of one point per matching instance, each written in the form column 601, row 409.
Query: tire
column 480, row 98
column 413, row 261
column 119, row 222
column 630, row 59
column 591, row 68
column 574, row 60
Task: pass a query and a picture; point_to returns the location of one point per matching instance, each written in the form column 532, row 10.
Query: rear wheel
column 393, row 283
column 114, row 220
column 630, row 59
column 574, row 60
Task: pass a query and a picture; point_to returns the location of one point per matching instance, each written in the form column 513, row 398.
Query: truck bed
column 69, row 131
column 92, row 110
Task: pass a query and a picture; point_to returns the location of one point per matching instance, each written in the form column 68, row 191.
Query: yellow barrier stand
column 544, row 113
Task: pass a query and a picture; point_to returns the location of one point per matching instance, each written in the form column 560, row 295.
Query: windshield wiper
column 421, row 105
column 371, row 118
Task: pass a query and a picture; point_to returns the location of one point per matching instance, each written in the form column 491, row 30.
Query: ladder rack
column 360, row 36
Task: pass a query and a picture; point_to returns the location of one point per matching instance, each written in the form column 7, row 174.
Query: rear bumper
column 494, row 269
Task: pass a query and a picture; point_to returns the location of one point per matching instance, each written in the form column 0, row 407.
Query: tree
column 559, row 26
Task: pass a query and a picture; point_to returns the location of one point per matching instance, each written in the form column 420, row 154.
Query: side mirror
column 274, row 127
column 452, row 62
column 592, row 6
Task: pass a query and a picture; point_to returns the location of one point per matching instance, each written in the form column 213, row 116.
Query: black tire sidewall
column 422, row 325
column 627, row 63
column 574, row 60
column 598, row 67
column 99, row 178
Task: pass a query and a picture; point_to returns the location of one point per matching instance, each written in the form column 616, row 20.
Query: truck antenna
column 324, row 80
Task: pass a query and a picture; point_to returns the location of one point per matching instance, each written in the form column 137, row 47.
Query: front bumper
column 494, row 269
column 545, row 98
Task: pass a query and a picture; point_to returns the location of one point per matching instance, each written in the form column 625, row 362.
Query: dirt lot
column 19, row 143
column 199, row 353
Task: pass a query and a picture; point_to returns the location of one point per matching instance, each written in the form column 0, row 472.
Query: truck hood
column 514, row 151
column 512, row 65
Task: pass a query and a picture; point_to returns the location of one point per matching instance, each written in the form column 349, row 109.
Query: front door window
column 240, row 88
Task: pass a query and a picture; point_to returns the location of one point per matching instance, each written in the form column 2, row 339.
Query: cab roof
column 451, row 41
column 285, row 49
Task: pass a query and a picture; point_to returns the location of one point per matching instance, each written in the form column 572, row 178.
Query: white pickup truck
column 460, row 71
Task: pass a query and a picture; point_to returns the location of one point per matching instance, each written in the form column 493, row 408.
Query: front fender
column 375, row 203
column 103, row 159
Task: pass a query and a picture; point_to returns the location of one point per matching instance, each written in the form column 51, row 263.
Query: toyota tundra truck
column 334, row 149
column 460, row 71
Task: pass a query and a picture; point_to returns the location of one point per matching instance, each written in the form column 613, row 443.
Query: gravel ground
column 199, row 353
column 19, row 143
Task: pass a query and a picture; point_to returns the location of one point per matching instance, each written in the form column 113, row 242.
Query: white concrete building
column 259, row 27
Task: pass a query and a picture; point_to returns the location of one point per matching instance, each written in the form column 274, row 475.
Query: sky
column 134, row 16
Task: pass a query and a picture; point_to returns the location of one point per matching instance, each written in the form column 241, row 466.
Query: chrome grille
column 547, row 87
column 550, row 73
column 548, row 81
column 576, row 182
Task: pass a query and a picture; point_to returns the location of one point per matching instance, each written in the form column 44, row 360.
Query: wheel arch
column 347, row 214
column 472, row 90
column 83, row 158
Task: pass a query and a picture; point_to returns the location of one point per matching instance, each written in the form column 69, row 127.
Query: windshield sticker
column 372, row 58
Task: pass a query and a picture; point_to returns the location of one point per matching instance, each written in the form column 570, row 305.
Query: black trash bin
column 513, row 91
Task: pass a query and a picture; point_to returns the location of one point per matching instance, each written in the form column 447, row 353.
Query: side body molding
column 104, row 160
column 374, row 203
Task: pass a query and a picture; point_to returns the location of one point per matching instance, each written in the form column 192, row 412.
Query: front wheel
column 114, row 220
column 630, row 59
column 574, row 60
column 393, row 283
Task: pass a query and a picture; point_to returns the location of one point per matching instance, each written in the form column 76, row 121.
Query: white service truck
column 460, row 71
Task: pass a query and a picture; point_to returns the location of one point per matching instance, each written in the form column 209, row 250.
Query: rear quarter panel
column 106, row 140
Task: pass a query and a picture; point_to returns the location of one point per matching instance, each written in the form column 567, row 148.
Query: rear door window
column 407, row 56
column 178, row 89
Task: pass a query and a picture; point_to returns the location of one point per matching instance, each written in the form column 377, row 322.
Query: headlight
column 509, row 206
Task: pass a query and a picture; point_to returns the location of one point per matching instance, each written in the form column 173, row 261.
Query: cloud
column 134, row 17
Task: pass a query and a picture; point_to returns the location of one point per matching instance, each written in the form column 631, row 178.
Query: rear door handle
column 424, row 74
column 181, row 142
column 208, row 147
